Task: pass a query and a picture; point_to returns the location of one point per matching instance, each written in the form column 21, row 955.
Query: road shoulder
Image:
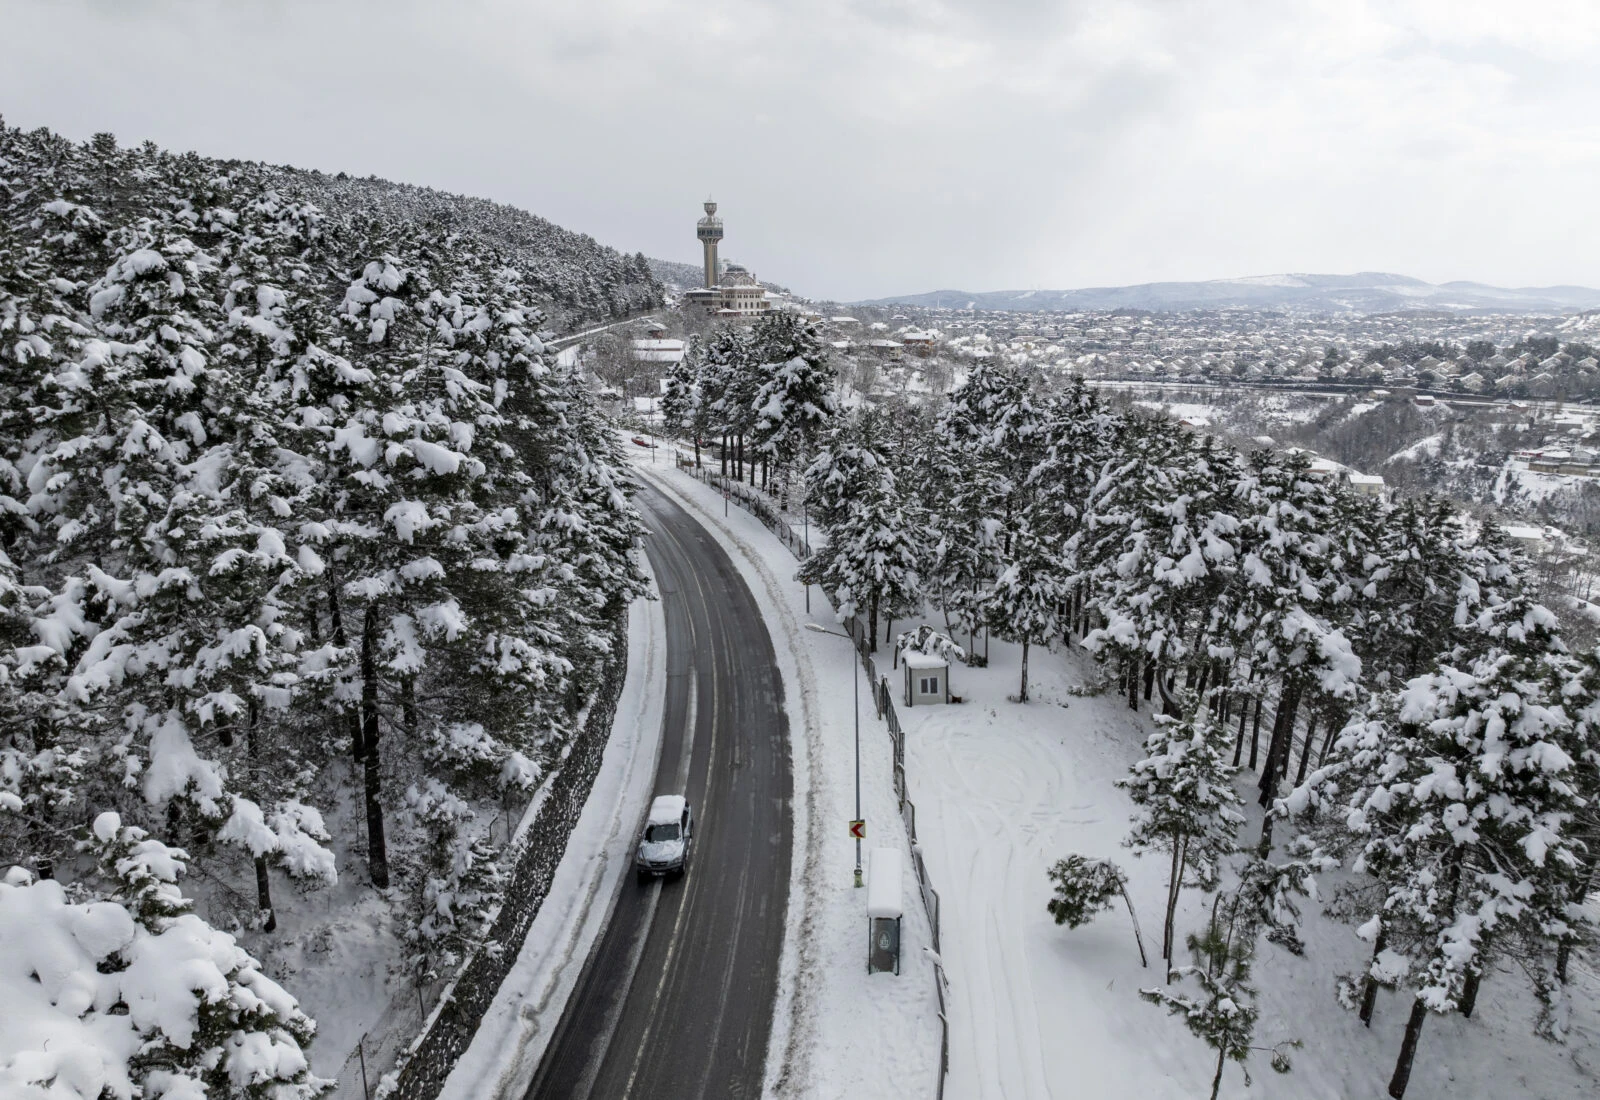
column 506, row 1050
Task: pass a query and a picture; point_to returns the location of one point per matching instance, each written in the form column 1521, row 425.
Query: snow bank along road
column 677, row 998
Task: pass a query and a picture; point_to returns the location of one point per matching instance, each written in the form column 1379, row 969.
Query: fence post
column 366, row 1090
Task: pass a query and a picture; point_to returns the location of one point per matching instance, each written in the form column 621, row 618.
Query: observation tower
column 709, row 230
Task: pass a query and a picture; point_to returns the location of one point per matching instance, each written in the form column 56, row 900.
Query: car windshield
column 662, row 832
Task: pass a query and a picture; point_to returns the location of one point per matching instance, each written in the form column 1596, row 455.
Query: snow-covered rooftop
column 883, row 883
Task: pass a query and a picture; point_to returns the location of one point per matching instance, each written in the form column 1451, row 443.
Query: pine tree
column 1186, row 804
column 1225, row 1012
column 871, row 561
column 795, row 403
column 1458, row 794
column 1084, row 887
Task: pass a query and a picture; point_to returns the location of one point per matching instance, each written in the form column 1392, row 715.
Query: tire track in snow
column 1004, row 1055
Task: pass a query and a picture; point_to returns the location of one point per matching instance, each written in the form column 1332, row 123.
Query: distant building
column 730, row 291
column 658, row 351
column 1367, row 485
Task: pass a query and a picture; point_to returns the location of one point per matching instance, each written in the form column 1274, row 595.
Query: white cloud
column 866, row 147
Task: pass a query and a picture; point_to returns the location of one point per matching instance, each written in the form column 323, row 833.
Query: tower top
column 711, row 207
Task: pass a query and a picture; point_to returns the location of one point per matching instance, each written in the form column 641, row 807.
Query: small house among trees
column 925, row 656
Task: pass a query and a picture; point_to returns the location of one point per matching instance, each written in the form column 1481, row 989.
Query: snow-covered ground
column 837, row 1031
column 1037, row 1010
column 1421, row 449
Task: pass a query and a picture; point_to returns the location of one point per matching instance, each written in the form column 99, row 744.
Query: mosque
column 730, row 291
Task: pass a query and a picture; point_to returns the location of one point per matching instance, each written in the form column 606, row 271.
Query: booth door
column 883, row 954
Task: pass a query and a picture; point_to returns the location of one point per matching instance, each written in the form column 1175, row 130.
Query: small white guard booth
column 927, row 678
column 884, row 911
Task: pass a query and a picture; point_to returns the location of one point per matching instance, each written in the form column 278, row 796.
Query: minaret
column 710, row 232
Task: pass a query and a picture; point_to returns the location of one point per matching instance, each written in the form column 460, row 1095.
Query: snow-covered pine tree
column 871, row 562
column 986, row 441
column 680, row 405
column 1277, row 622
column 1458, row 794
column 1081, row 436
column 730, row 381
column 1084, row 887
column 124, row 990
column 795, row 403
column 1186, row 804
column 1156, row 554
column 1026, row 599
column 1225, row 1013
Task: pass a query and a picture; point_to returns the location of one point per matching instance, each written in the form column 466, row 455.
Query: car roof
column 667, row 809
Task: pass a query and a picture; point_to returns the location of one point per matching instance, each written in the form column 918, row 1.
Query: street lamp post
column 855, row 659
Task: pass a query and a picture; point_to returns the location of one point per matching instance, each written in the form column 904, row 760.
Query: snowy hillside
column 310, row 559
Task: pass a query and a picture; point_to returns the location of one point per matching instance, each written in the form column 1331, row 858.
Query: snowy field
column 1038, row 1010
column 838, row 1032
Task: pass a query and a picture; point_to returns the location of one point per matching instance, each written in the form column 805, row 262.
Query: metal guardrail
column 769, row 513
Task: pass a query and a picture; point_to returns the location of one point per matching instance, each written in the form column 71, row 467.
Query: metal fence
column 758, row 504
column 768, row 512
column 883, row 702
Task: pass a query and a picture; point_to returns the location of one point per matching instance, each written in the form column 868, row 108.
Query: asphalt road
column 676, row 1000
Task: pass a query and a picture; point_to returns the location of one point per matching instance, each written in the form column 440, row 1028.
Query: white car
column 668, row 833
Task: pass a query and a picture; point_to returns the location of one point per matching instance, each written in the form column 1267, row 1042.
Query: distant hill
column 681, row 277
column 678, row 276
column 1364, row 292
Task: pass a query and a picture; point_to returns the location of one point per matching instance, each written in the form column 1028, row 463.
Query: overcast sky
column 868, row 147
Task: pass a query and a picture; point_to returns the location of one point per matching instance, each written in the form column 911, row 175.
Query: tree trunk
column 1305, row 752
column 1216, row 1080
column 358, row 747
column 1133, row 683
column 1278, row 751
column 1138, row 937
column 1149, row 679
column 1369, row 987
column 1180, row 849
column 872, row 624
column 377, row 851
column 1255, row 729
column 264, row 895
column 408, row 706
column 1238, row 744
column 1564, row 952
column 1327, row 741
column 1469, row 993
column 1022, row 692
column 1408, row 1051
column 263, row 880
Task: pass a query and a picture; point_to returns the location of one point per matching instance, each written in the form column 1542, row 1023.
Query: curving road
column 676, row 1000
